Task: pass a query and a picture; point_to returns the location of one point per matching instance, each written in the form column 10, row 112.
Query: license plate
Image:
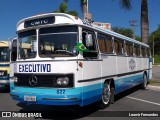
column 30, row 98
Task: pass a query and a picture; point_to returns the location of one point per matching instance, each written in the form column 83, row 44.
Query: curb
column 153, row 87
column 155, row 65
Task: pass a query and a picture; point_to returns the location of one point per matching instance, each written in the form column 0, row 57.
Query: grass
column 157, row 59
column 154, row 82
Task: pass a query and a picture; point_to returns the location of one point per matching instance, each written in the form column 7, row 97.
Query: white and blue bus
column 63, row 60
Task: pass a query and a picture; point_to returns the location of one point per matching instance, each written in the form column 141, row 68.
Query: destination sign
column 39, row 21
column 35, row 68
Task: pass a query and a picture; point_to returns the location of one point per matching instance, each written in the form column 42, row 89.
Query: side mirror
column 89, row 40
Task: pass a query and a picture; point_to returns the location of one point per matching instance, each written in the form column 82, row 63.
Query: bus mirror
column 89, row 40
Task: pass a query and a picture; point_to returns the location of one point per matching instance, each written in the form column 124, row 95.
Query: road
column 131, row 100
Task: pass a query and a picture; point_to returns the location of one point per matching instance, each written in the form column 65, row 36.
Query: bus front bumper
column 47, row 99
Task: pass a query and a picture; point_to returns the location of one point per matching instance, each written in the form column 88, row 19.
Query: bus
column 70, row 61
column 5, row 59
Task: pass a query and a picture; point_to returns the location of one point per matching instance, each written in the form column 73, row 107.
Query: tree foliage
column 124, row 31
column 156, row 37
column 63, row 8
column 126, row 5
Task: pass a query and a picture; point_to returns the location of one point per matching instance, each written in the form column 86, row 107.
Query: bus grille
column 41, row 80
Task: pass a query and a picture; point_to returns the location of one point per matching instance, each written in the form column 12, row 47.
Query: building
column 104, row 25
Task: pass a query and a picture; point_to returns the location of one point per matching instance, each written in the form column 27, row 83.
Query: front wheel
column 106, row 96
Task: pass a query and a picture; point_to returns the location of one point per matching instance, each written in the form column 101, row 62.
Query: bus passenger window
column 109, row 45
column 105, row 44
column 143, row 51
column 148, row 52
column 101, row 43
column 129, row 49
column 137, row 50
column 118, row 46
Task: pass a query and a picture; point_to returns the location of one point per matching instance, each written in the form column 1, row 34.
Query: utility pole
column 153, row 50
column 133, row 25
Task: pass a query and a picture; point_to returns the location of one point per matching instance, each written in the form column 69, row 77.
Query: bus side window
column 105, row 44
column 101, row 43
column 92, row 50
column 129, row 49
column 143, row 52
column 148, row 52
column 118, row 46
column 137, row 50
column 109, row 44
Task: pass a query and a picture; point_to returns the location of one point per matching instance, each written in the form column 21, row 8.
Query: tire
column 106, row 96
column 144, row 84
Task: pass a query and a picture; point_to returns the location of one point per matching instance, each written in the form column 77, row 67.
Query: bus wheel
column 106, row 96
column 144, row 84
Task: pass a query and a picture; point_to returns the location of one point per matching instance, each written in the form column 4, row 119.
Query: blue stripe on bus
column 4, row 65
column 127, row 83
column 85, row 95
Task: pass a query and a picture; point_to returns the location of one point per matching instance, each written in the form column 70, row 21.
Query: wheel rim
column 106, row 94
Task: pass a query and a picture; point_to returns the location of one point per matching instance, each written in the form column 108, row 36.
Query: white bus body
column 49, row 70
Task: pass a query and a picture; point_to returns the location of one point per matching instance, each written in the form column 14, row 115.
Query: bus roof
column 4, row 43
column 66, row 19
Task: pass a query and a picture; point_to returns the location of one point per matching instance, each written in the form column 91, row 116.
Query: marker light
column 13, row 79
column 63, row 81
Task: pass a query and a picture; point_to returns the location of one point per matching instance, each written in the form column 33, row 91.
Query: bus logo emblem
column 132, row 64
column 33, row 80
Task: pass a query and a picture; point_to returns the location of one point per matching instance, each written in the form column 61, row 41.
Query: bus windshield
column 58, row 41
column 4, row 54
column 27, row 44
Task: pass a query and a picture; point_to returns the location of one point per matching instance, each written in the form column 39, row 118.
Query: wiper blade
column 65, row 51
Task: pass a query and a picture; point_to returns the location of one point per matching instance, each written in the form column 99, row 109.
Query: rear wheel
column 144, row 84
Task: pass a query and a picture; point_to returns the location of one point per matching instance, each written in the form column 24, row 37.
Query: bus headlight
column 13, row 79
column 62, row 81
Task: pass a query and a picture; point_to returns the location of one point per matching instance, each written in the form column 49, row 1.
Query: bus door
column 91, row 68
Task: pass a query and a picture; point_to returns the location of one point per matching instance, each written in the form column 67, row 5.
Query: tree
column 126, row 4
column 63, row 8
column 124, row 31
column 144, row 21
column 156, row 37
column 83, row 6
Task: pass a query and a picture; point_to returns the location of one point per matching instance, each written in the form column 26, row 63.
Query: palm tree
column 83, row 5
column 126, row 4
column 63, row 8
column 144, row 21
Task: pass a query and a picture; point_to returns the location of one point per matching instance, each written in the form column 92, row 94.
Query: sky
column 109, row 11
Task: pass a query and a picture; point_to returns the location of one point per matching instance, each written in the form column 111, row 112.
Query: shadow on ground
column 71, row 112
column 4, row 89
